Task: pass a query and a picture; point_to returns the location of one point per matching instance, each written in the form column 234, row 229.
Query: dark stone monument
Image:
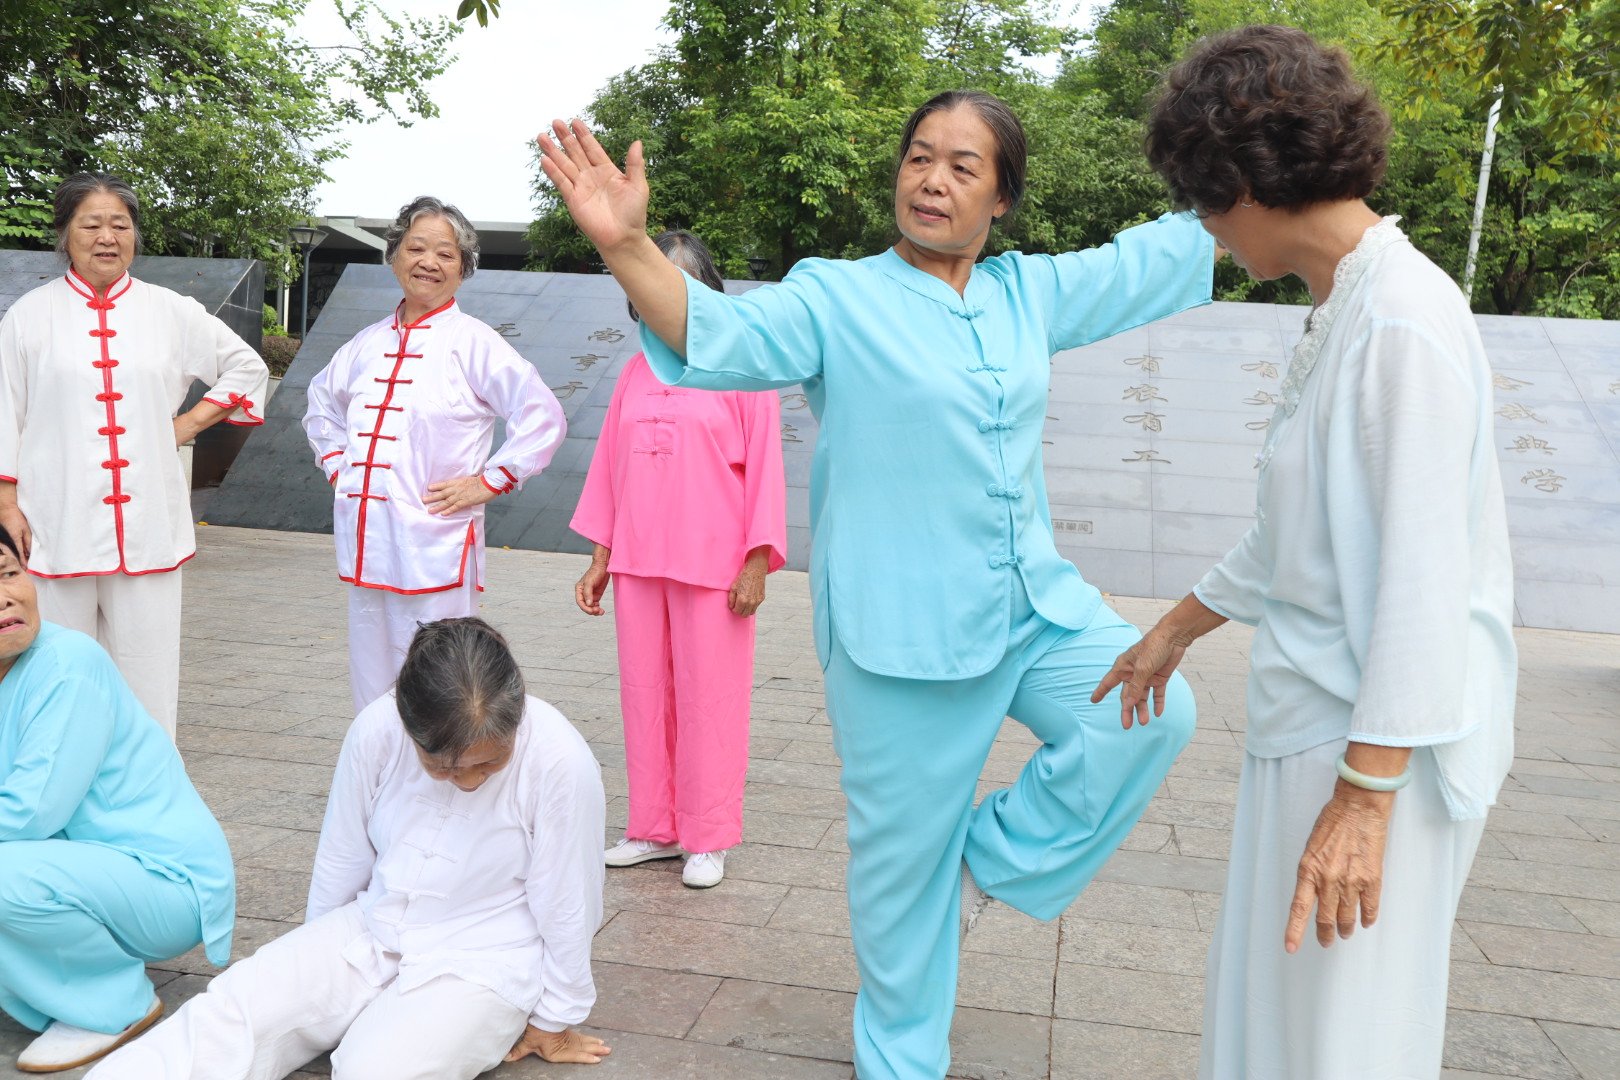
column 1150, row 437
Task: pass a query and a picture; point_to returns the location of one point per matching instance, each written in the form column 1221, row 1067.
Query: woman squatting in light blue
column 108, row 857
column 941, row 603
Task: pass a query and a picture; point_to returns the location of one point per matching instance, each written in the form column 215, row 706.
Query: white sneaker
column 63, row 1046
column 704, row 869
column 628, row 852
column 974, row 901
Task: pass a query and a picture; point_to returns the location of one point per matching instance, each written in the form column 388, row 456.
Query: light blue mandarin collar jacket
column 926, row 490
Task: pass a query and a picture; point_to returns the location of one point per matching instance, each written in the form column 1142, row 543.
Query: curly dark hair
column 1268, row 114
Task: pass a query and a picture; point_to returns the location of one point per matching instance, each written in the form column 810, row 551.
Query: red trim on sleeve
column 492, row 487
column 510, row 479
column 237, row 401
column 9, row 479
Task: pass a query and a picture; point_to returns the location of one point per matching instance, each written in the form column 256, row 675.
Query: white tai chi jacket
column 89, row 386
column 501, row 886
column 1377, row 570
column 405, row 405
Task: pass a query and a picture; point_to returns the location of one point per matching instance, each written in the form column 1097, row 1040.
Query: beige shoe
column 62, row 1046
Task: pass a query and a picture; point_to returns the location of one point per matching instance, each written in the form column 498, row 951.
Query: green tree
column 770, row 125
column 220, row 116
column 1559, row 58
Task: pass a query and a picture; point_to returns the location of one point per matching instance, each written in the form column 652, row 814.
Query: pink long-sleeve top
column 685, row 483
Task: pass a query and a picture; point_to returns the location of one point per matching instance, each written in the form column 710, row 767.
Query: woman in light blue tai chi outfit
column 108, row 857
column 941, row 603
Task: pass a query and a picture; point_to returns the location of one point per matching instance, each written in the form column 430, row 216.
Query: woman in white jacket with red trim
column 402, row 421
column 93, row 367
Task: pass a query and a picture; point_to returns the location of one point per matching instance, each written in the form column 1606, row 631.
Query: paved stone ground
column 754, row 979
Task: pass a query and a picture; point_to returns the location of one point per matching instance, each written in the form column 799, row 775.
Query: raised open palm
column 608, row 204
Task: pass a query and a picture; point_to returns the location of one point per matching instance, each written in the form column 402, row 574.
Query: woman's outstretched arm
column 610, row 207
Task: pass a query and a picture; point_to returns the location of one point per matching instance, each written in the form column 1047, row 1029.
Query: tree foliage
column 1554, row 63
column 770, row 128
column 219, row 115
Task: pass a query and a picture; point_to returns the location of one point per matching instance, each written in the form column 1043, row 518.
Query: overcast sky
column 541, row 58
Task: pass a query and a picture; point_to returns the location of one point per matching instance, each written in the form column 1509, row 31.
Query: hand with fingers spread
column 608, row 204
column 1341, row 874
column 1142, row 672
column 563, row 1047
column 610, row 207
column 449, row 497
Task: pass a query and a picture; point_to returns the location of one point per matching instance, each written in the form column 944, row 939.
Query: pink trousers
column 686, row 669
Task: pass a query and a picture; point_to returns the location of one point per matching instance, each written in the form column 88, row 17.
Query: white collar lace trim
column 1321, row 320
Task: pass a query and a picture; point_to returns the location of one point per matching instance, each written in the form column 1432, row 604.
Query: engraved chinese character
column 1508, row 382
column 1515, row 411
column 1526, row 443
column 789, row 434
column 565, row 392
column 1150, row 421
column 1147, row 455
column 1262, row 397
column 586, row 362
column 1147, row 362
column 1614, row 387
column 1145, row 392
column 1263, row 368
column 795, row 401
column 1543, row 480
column 609, row 335
column 508, row 330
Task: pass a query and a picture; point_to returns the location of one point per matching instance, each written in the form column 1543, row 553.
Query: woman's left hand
column 1342, row 869
column 453, row 496
column 748, row 591
column 560, row 1046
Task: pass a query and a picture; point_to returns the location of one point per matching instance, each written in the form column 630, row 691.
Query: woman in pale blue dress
column 1376, row 574
column 941, row 603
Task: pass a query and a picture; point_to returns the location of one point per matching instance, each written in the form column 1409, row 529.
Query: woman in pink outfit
column 685, row 504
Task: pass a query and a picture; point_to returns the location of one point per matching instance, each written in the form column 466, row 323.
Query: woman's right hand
column 589, row 588
column 608, row 205
column 11, row 517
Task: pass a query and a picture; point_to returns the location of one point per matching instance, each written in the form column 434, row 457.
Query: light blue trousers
column 912, row 752
column 77, row 924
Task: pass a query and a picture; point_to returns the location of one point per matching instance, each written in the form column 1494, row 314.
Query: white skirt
column 1370, row 1008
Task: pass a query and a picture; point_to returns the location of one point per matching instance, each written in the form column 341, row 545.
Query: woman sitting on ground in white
column 457, row 886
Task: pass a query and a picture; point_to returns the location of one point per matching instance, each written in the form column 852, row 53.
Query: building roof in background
column 365, row 234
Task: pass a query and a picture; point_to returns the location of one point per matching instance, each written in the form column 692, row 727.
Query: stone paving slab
column 755, row 979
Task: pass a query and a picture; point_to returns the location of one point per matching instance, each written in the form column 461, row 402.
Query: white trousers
column 297, row 997
column 1372, row 1007
column 381, row 625
column 136, row 618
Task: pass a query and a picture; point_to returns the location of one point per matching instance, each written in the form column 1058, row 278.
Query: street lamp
column 306, row 238
column 757, row 265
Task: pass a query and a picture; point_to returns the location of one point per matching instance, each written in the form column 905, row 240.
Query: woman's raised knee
column 1180, row 716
